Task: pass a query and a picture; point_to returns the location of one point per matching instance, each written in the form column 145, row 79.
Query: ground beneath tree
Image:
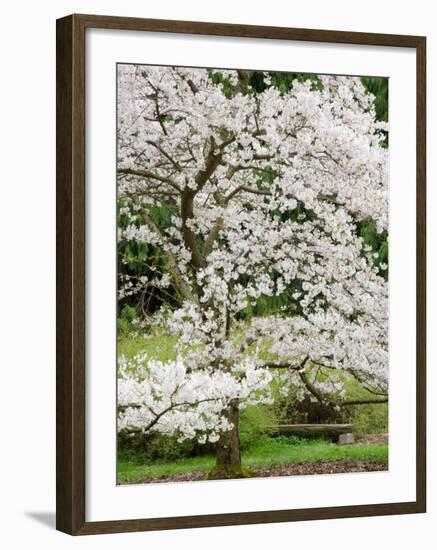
column 296, row 469
column 373, row 438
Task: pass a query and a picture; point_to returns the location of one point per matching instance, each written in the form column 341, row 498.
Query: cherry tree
column 264, row 191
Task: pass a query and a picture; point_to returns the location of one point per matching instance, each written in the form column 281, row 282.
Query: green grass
column 267, row 452
column 161, row 347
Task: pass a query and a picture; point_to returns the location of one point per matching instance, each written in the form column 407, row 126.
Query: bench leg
column 346, row 439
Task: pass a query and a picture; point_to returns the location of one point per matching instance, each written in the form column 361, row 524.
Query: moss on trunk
column 228, row 456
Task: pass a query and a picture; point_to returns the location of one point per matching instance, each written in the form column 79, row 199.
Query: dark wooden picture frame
column 71, row 247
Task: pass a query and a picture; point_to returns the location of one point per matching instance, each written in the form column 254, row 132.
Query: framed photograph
column 240, row 274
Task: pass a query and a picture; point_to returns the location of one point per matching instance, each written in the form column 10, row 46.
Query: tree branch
column 363, row 402
column 287, row 365
column 247, row 189
column 243, row 80
column 146, row 175
column 325, row 399
column 212, row 237
column 165, row 154
column 171, row 407
column 187, row 205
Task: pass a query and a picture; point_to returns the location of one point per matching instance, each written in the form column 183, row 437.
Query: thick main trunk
column 228, row 446
column 228, row 455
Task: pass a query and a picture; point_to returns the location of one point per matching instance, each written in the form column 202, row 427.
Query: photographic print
column 252, row 258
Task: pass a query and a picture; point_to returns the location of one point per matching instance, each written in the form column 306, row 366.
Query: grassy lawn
column 267, row 452
column 156, row 346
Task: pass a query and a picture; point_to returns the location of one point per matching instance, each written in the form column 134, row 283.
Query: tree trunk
column 228, row 456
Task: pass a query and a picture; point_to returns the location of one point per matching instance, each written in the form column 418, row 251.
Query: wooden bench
column 340, row 433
